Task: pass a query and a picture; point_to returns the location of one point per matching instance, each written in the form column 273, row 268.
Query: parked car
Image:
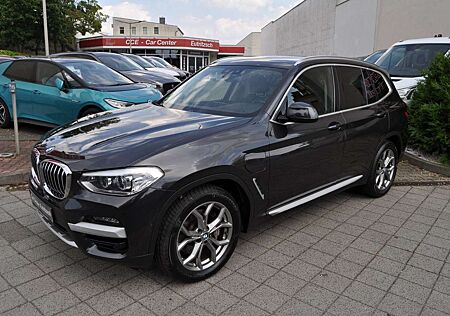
column 126, row 67
column 5, row 58
column 372, row 58
column 54, row 92
column 406, row 60
column 241, row 139
column 162, row 63
column 151, row 66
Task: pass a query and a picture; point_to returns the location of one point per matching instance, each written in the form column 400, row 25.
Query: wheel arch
column 88, row 106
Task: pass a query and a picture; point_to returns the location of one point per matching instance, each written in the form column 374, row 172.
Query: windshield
column 410, row 60
column 152, row 62
column 119, row 62
column 140, row 61
column 163, row 62
column 94, row 73
column 374, row 57
column 226, row 90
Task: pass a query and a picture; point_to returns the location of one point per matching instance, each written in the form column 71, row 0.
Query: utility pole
column 44, row 11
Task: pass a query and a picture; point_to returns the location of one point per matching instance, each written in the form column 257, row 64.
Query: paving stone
column 304, row 239
column 243, row 308
column 266, row 240
column 376, row 278
column 23, row 274
column 38, row 287
column 237, row 261
column 118, row 274
column 316, row 230
column 250, row 249
column 363, row 293
column 439, row 301
column 26, row 309
column 332, row 281
column 443, row 285
column 238, row 284
column 403, row 243
column 419, row 276
column 397, row 305
column 10, row 299
column 12, row 231
column 295, row 307
column 395, row 254
column 316, row 296
column 302, row 270
column 386, row 265
column 329, row 247
column 40, row 252
column 89, row 287
column 316, row 257
column 81, row 309
column 285, row 283
column 274, row 259
column 426, row 263
column 162, row 301
column 366, row 245
column 433, row 252
column 266, row 298
column 215, row 300
column 109, row 302
column 356, row 256
column 350, row 229
column 345, row 306
column 428, row 311
column 12, row 262
column 55, row 302
column 345, row 268
column 411, row 291
column 190, row 308
column 257, row 271
column 70, row 274
column 53, row 263
column 187, row 290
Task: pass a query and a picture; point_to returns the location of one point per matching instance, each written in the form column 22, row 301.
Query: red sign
column 149, row 42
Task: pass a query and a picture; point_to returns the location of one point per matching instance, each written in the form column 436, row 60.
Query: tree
column 21, row 23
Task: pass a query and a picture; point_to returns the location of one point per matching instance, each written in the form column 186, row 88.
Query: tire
column 382, row 173
column 90, row 111
column 196, row 240
column 5, row 116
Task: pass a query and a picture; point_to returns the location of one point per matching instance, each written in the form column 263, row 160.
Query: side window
column 316, row 87
column 376, row 86
column 47, row 73
column 23, row 70
column 352, row 87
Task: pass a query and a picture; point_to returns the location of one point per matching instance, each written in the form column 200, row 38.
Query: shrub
column 8, row 53
column 429, row 124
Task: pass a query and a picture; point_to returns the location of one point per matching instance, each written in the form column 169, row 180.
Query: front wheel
column 384, row 169
column 5, row 117
column 199, row 234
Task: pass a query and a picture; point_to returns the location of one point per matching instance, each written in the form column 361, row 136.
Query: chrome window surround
column 66, row 170
column 277, row 109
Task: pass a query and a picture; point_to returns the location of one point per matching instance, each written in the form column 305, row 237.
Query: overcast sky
column 226, row 20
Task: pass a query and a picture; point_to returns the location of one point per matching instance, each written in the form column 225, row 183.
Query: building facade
column 162, row 40
column 252, row 44
column 351, row 28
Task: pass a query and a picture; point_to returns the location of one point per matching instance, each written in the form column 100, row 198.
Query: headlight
column 406, row 93
column 118, row 104
column 122, row 182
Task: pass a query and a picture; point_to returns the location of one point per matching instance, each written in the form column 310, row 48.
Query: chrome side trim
column 258, row 188
column 98, row 230
column 277, row 109
column 58, row 234
column 314, row 196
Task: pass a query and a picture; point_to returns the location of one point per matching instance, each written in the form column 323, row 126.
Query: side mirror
column 60, row 84
column 301, row 112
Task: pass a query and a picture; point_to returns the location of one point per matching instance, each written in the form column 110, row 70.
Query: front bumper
column 131, row 238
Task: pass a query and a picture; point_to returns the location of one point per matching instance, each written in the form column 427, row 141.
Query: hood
column 143, row 94
column 164, row 71
column 149, row 77
column 404, row 82
column 125, row 137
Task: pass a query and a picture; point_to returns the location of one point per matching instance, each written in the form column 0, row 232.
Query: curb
column 421, row 183
column 15, row 178
column 427, row 165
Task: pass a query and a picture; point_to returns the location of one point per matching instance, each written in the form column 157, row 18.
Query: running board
column 313, row 196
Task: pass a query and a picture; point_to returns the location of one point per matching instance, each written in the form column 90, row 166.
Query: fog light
column 104, row 219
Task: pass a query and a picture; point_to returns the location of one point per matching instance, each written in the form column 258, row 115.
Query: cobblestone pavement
column 343, row 255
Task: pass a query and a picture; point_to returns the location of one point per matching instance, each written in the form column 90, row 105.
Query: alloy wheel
column 2, row 114
column 204, row 236
column 385, row 170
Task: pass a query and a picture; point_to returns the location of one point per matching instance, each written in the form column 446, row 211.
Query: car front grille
column 56, row 178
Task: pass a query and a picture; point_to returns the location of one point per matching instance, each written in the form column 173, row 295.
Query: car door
column 51, row 104
column 306, row 156
column 23, row 73
column 366, row 119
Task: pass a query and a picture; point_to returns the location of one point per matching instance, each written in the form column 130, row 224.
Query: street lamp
column 44, row 13
column 129, row 26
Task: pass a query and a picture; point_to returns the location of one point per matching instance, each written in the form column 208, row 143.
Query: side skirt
column 313, row 196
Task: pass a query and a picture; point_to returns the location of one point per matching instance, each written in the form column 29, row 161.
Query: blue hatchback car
column 54, row 92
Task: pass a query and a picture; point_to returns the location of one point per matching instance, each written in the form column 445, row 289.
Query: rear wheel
column 199, row 234
column 90, row 111
column 384, row 169
column 5, row 117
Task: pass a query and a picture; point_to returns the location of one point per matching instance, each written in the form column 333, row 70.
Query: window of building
column 145, row 30
column 156, row 30
column 121, row 30
column 315, row 87
column 133, row 30
column 352, row 89
column 376, row 86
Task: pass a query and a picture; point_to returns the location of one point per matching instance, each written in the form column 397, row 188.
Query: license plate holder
column 43, row 209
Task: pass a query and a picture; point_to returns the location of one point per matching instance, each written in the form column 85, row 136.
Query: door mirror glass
column 60, row 84
column 301, row 112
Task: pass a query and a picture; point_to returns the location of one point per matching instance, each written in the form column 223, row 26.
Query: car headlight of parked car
column 118, row 104
column 406, row 93
column 121, row 182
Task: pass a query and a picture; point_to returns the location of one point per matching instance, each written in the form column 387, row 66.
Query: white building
column 127, row 27
column 350, row 27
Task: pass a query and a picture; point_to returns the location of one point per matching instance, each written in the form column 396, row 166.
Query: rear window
column 376, row 86
column 22, row 70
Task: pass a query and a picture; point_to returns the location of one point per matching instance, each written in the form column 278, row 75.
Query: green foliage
column 429, row 124
column 21, row 23
column 8, row 53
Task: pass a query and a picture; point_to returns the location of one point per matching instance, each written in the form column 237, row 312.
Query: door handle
column 334, row 126
column 380, row 114
column 36, row 92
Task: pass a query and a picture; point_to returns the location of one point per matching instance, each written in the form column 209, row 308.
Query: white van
column 406, row 60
